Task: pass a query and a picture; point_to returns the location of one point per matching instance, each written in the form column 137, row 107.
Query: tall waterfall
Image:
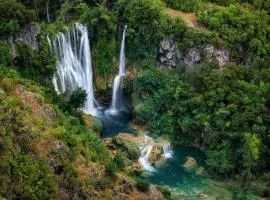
column 117, row 83
column 74, row 65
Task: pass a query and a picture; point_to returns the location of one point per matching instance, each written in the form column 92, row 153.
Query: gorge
column 134, row 100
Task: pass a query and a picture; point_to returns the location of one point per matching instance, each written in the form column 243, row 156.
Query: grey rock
column 221, row 55
column 193, row 57
column 30, row 34
column 169, row 54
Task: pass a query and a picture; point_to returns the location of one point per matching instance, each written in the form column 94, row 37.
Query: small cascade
column 167, row 149
column 146, row 147
column 118, row 81
column 74, row 65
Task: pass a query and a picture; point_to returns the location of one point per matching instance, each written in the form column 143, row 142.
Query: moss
column 7, row 84
column 131, row 147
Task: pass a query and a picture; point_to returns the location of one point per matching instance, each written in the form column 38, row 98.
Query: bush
column 184, row 5
column 7, row 84
column 5, row 57
column 35, row 65
column 142, row 185
column 13, row 16
column 119, row 160
column 143, row 18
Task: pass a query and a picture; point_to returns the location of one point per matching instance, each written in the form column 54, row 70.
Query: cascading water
column 74, row 65
column 117, row 83
column 146, row 148
column 167, row 149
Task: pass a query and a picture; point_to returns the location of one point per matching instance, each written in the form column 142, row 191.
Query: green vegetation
column 224, row 112
column 184, row 5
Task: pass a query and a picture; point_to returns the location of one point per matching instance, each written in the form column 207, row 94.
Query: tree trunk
column 48, row 11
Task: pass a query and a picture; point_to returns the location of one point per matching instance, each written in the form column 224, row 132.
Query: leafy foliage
column 13, row 16
column 184, row 5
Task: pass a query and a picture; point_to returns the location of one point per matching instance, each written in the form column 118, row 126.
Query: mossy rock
column 126, row 142
column 191, row 164
column 93, row 123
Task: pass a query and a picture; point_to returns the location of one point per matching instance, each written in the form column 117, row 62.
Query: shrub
column 142, row 185
column 119, row 160
column 7, row 84
column 184, row 5
column 13, row 16
column 5, row 57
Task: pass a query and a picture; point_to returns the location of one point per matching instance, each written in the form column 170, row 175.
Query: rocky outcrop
column 209, row 52
column 193, row 57
column 169, row 54
column 28, row 35
column 221, row 55
column 129, row 143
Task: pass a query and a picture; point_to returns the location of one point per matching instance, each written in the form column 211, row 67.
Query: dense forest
column 198, row 74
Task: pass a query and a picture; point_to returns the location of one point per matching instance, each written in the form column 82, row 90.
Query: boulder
column 156, row 154
column 169, row 54
column 128, row 143
column 191, row 164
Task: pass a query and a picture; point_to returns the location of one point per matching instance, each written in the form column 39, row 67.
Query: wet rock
column 191, row 164
column 169, row 54
column 193, row 57
column 156, row 154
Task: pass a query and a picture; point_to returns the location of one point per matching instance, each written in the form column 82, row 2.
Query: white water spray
column 146, row 148
column 74, row 65
column 118, row 81
column 167, row 149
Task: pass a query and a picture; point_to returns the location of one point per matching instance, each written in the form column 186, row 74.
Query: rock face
column 210, row 52
column 169, row 54
column 221, row 55
column 192, row 57
column 30, row 34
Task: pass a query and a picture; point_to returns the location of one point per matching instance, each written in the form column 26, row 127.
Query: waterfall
column 167, row 149
column 74, row 65
column 146, row 148
column 118, row 81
